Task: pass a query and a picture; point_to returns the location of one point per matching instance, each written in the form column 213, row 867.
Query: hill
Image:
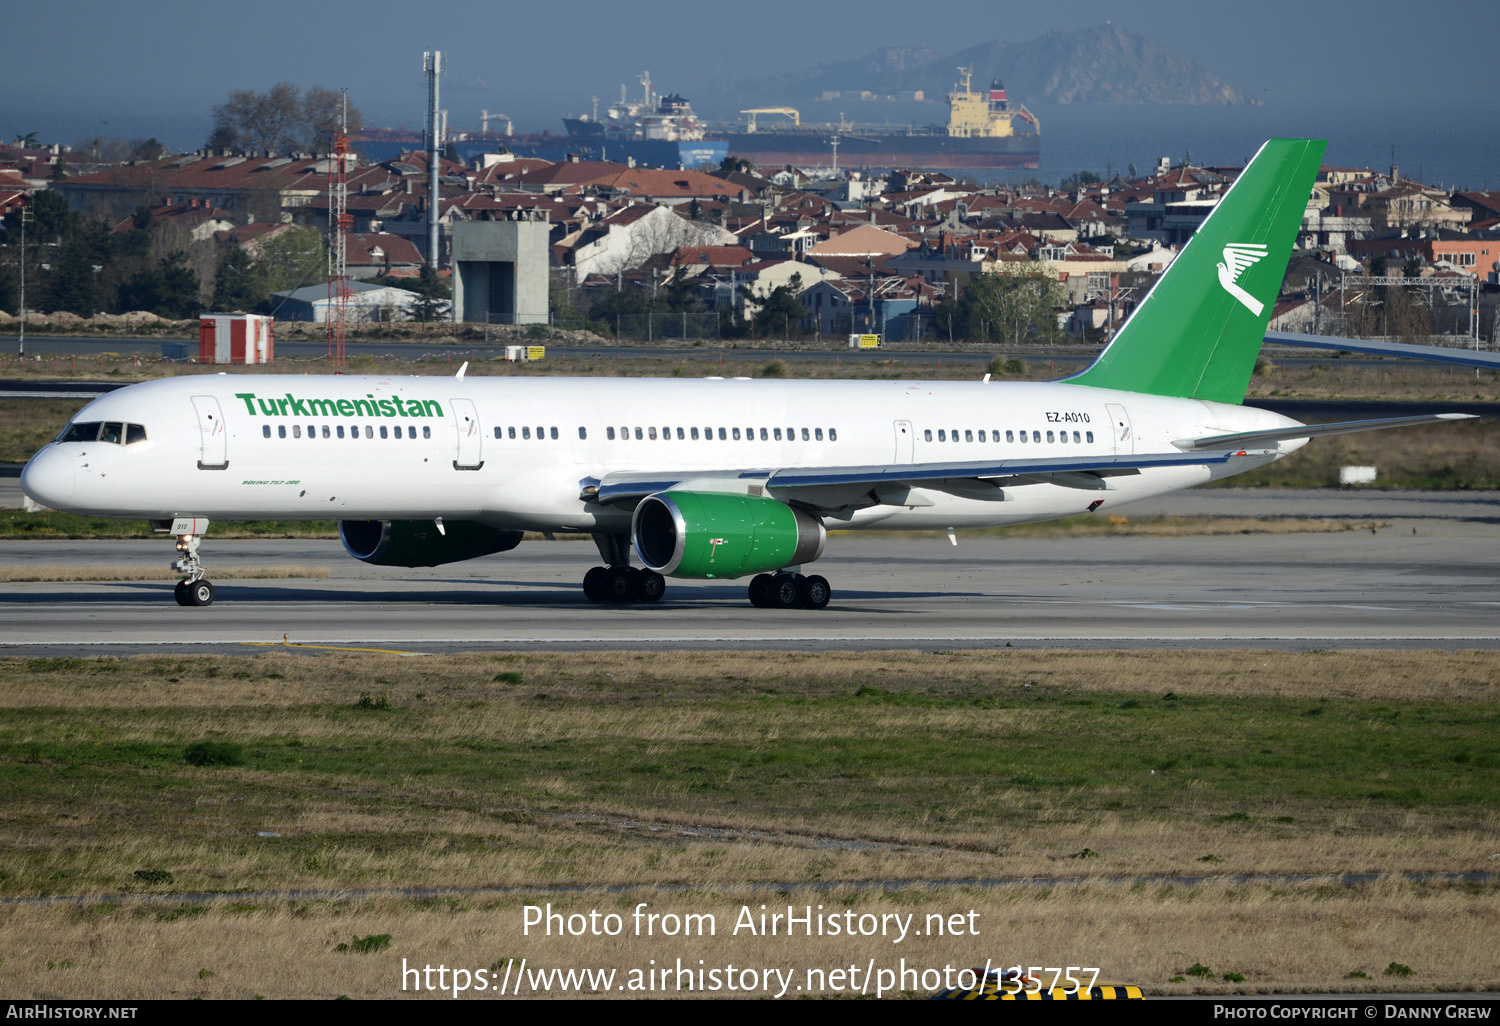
column 1103, row 64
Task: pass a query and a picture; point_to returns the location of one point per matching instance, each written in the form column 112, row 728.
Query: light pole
column 21, row 345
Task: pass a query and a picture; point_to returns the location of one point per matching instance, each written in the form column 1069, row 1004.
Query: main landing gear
column 789, row 591
column 194, row 589
column 621, row 582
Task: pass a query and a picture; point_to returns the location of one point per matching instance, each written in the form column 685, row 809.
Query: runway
column 1430, row 579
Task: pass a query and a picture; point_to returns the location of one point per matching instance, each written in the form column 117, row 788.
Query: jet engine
column 713, row 534
column 420, row 543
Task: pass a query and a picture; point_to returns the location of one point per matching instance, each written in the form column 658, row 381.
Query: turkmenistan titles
column 289, row 405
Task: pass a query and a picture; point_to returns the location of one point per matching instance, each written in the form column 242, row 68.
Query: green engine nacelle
column 420, row 543
column 713, row 534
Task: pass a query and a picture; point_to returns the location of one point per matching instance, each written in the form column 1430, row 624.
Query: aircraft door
column 470, row 438
column 213, row 446
column 905, row 441
column 1120, row 425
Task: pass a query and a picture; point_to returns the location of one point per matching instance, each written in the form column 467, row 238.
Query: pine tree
column 239, row 285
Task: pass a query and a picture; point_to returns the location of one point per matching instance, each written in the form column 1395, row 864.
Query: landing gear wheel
column 760, row 591
column 814, row 592
column 595, row 583
column 619, row 584
column 783, row 591
column 180, row 593
column 649, row 585
column 200, row 593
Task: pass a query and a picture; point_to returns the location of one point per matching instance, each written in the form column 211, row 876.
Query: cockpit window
column 108, row 431
column 83, row 432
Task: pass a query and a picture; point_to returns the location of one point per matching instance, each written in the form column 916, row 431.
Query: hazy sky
column 92, row 67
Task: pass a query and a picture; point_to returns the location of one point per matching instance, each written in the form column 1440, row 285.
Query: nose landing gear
column 194, row 589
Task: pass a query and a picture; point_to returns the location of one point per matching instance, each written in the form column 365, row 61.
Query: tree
column 1014, row 306
column 434, row 297
column 51, row 218
column 323, row 113
column 732, row 164
column 170, row 289
column 280, row 119
column 779, row 310
column 292, row 258
column 239, row 284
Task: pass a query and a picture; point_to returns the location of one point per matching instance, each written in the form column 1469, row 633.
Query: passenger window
column 383, row 433
column 694, row 433
column 1023, row 438
column 1049, row 437
column 609, row 433
column 765, row 435
column 736, row 434
column 927, row 435
column 968, row 435
column 329, row 434
column 369, row 431
column 804, row 434
column 265, row 431
column 681, row 434
column 833, row 434
column 955, row 434
column 510, row 432
column 80, row 432
column 426, row 431
column 497, row 430
column 723, row 434
column 526, row 433
column 776, row 433
column 583, row 432
column 1089, row 437
column 539, row 434
column 297, row 431
column 339, row 430
column 1075, row 437
column 1036, row 436
column 280, row 430
column 554, row 434
column 818, row 433
column 981, row 434
column 651, row 433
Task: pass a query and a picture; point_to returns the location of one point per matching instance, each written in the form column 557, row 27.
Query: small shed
column 235, row 338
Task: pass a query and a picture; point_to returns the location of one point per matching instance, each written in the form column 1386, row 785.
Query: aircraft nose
column 50, row 477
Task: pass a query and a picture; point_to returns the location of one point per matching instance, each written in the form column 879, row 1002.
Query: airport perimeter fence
column 666, row 326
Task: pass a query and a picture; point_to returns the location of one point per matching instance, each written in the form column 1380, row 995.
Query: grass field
column 718, row 771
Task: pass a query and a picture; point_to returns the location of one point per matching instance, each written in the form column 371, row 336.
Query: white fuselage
column 513, row 452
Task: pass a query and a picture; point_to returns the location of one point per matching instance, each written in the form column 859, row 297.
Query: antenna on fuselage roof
column 462, row 369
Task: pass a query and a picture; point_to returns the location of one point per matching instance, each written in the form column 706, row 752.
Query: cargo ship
column 983, row 132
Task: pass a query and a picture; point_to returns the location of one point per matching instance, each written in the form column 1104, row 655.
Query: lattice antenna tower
column 340, row 224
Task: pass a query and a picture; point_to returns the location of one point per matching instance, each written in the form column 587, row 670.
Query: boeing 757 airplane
column 714, row 478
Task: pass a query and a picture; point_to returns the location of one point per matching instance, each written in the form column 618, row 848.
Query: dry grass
column 500, row 769
column 101, row 572
column 1292, row 938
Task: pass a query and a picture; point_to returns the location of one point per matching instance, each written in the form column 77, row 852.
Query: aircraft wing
column 892, row 484
column 1437, row 354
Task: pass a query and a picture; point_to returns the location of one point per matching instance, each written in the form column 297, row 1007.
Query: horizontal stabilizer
column 1435, row 354
column 1242, row 439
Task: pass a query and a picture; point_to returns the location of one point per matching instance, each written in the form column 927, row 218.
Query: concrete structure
column 500, row 273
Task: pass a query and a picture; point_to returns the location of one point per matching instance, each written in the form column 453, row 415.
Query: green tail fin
column 1198, row 332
